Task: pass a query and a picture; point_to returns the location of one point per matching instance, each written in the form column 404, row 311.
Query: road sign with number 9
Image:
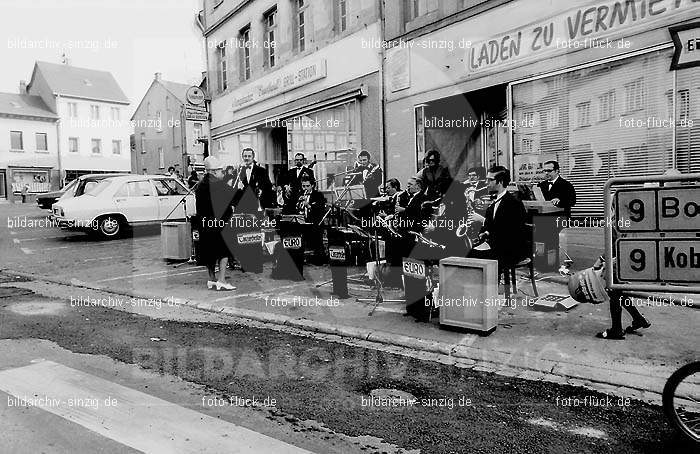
column 636, row 210
column 637, row 260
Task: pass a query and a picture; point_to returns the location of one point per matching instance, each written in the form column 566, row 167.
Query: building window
column 528, row 119
column 72, row 144
column 551, row 118
column 116, row 147
column 583, row 114
column 197, row 130
column 301, row 6
column 41, row 142
column 244, row 39
column 115, row 113
column 16, row 142
column 221, row 66
column 159, row 122
column 73, row 110
column 148, row 108
column 607, row 105
column 161, row 158
column 418, row 8
column 343, row 15
column 527, row 146
column 634, row 95
column 270, row 28
column 95, row 112
column 683, row 105
column 96, row 146
column 143, row 143
column 167, row 103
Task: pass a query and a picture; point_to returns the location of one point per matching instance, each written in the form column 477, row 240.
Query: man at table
column 556, row 189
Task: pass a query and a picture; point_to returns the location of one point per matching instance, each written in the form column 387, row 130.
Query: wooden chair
column 508, row 272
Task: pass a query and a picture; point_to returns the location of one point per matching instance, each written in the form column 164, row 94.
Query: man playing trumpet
column 312, row 204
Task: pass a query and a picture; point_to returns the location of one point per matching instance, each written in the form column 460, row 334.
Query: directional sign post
column 653, row 233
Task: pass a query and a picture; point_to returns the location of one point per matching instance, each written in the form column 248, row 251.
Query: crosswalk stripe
column 138, row 420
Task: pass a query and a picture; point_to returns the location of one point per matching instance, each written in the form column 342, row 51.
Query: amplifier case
column 468, row 296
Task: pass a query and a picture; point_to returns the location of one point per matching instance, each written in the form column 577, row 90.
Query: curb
column 466, row 356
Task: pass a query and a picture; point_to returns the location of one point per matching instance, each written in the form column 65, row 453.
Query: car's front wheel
column 109, row 227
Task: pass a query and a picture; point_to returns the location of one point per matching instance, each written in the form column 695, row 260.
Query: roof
column 177, row 89
column 174, row 88
column 25, row 105
column 71, row 81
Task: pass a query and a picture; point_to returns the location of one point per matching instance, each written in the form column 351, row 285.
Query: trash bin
column 176, row 240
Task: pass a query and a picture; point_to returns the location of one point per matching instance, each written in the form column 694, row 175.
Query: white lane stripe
column 41, row 238
column 260, row 293
column 138, row 420
column 174, row 274
column 26, row 250
column 128, row 276
column 53, row 248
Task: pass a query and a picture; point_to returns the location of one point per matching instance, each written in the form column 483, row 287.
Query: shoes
column 211, row 284
column 636, row 325
column 224, row 286
column 611, row 335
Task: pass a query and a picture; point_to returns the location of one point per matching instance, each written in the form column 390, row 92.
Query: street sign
column 196, row 115
column 195, row 95
column 658, row 209
column 653, row 235
column 667, row 260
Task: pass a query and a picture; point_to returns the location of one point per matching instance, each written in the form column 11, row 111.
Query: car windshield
column 94, row 188
column 69, row 190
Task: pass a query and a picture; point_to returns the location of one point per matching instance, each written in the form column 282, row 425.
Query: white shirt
column 248, row 171
column 497, row 202
column 550, row 183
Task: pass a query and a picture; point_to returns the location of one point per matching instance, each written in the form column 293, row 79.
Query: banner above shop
column 686, row 40
column 280, row 82
column 603, row 24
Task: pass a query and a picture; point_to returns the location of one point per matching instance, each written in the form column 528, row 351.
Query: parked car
column 116, row 203
column 85, row 182
column 47, row 199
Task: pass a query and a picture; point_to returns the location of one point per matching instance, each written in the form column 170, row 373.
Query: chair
column 508, row 272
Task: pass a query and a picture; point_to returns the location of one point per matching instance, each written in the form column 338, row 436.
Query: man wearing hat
column 214, row 199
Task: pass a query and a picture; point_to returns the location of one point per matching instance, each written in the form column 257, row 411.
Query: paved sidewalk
column 530, row 343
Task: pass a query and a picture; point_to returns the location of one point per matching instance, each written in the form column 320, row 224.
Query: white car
column 115, row 203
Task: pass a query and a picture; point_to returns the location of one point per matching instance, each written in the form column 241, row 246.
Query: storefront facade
column 586, row 83
column 322, row 100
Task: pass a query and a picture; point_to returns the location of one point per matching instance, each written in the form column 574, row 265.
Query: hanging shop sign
column 196, row 115
column 603, row 24
column 280, row 82
column 686, row 41
column 195, row 96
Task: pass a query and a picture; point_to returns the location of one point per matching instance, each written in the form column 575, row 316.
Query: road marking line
column 138, row 420
column 140, row 275
column 26, row 250
column 41, row 238
column 260, row 292
column 53, row 248
column 174, row 274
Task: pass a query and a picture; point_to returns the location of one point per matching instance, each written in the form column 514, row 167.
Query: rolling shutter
column 688, row 120
column 607, row 120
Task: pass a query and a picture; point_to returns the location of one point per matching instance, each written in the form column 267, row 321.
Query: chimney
column 22, row 87
column 158, row 76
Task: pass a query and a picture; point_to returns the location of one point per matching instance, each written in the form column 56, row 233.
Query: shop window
column 96, row 145
column 16, row 143
column 590, row 149
column 221, row 66
column 270, row 31
column 244, row 39
column 72, row 144
column 606, row 106
column 41, row 142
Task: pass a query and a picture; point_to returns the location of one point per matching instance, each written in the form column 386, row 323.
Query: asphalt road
column 327, row 394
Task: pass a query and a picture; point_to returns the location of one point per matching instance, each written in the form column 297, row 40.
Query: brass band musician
column 312, row 204
column 290, row 181
column 368, row 174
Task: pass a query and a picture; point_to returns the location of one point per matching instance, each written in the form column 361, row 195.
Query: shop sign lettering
column 585, row 27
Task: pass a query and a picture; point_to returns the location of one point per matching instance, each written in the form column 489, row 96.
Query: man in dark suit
column 504, row 225
column 290, row 181
column 556, row 189
column 435, row 179
column 254, row 187
column 312, row 204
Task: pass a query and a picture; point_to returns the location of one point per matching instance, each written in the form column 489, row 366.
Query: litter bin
column 176, row 240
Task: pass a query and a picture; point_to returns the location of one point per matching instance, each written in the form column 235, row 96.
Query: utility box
column 176, row 240
column 468, row 296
